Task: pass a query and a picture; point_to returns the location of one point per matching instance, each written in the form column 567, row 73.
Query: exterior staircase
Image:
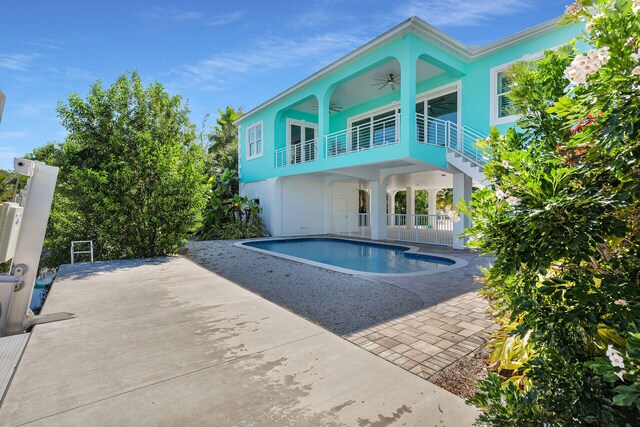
column 460, row 141
column 467, row 166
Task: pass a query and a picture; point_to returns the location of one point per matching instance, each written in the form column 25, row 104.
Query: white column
column 378, row 210
column 432, row 199
column 411, row 207
column 392, row 206
column 461, row 191
column 328, row 209
column 276, row 209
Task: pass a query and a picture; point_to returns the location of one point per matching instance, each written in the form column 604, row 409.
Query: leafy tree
column 224, row 140
column 131, row 172
column 7, row 185
column 227, row 215
column 562, row 219
column 422, row 202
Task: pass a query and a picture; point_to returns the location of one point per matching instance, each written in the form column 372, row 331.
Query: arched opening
column 365, row 110
column 363, row 208
column 296, row 133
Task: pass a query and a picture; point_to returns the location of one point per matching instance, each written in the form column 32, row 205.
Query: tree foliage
column 227, row 215
column 561, row 218
column 131, row 172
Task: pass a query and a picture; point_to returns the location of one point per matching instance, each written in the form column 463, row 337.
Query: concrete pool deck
column 423, row 324
column 166, row 342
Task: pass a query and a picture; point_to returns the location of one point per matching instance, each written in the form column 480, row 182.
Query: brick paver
column 452, row 324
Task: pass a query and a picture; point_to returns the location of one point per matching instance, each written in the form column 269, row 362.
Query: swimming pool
column 354, row 256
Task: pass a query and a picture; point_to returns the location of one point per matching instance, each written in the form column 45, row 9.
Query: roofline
column 465, row 52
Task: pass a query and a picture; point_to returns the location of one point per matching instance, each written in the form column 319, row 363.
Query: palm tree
column 223, row 141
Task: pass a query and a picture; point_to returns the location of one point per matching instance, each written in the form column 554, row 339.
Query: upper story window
column 503, row 90
column 500, row 102
column 254, row 141
column 501, row 86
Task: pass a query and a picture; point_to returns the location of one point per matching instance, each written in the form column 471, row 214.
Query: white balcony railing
column 377, row 133
column 297, row 153
column 458, row 138
column 429, row 229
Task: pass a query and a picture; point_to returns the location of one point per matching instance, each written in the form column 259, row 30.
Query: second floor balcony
column 375, row 132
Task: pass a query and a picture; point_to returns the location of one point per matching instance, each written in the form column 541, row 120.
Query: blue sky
column 213, row 53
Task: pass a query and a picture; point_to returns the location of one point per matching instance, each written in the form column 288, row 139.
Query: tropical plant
column 131, row 173
column 227, row 215
column 223, row 140
column 562, row 219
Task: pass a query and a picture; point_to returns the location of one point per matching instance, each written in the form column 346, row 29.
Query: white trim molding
column 494, row 119
column 303, row 124
column 258, row 141
column 430, row 33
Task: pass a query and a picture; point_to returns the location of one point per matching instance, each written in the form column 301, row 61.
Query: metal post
column 37, row 204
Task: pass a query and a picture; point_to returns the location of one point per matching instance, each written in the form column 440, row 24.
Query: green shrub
column 562, row 219
column 131, row 173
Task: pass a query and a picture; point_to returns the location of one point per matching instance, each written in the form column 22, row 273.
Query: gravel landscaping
column 434, row 326
column 338, row 302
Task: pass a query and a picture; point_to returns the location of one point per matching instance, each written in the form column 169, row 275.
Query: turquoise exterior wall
column 473, row 77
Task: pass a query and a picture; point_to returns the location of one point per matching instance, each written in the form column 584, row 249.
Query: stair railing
column 458, row 138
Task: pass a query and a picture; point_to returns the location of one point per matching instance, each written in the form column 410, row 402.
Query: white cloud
column 171, row 14
column 16, row 61
column 46, row 43
column 34, row 109
column 12, row 135
column 460, row 13
column 272, row 53
column 223, row 19
column 191, row 16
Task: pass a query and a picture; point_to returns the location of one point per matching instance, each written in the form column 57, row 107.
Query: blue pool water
column 354, row 255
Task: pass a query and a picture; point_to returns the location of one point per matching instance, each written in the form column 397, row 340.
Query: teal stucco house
column 399, row 115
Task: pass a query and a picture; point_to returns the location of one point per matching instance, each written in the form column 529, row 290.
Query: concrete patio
column 166, row 342
column 423, row 324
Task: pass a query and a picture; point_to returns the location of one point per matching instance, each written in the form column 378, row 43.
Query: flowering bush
column 562, row 218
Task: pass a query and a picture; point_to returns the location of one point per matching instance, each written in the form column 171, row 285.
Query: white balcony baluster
column 297, row 153
column 378, row 133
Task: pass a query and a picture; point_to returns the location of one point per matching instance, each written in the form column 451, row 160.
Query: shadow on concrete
column 84, row 270
column 341, row 303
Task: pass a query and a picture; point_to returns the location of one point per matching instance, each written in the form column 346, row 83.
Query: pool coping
column 458, row 262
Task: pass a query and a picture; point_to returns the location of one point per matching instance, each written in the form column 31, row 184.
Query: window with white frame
column 254, row 141
column 500, row 102
column 501, row 86
column 503, row 89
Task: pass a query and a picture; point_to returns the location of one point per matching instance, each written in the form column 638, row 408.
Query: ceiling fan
column 391, row 80
column 333, row 108
column 444, row 104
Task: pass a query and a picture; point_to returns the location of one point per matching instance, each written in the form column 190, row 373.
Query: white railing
column 351, row 224
column 461, row 139
column 429, row 229
column 377, row 133
column 298, row 153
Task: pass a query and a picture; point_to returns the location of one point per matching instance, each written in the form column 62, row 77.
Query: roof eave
column 456, row 47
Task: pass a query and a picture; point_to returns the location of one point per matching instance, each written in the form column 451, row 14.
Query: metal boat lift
column 21, row 239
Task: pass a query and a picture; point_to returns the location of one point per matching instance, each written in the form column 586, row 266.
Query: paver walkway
column 165, row 342
column 452, row 324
